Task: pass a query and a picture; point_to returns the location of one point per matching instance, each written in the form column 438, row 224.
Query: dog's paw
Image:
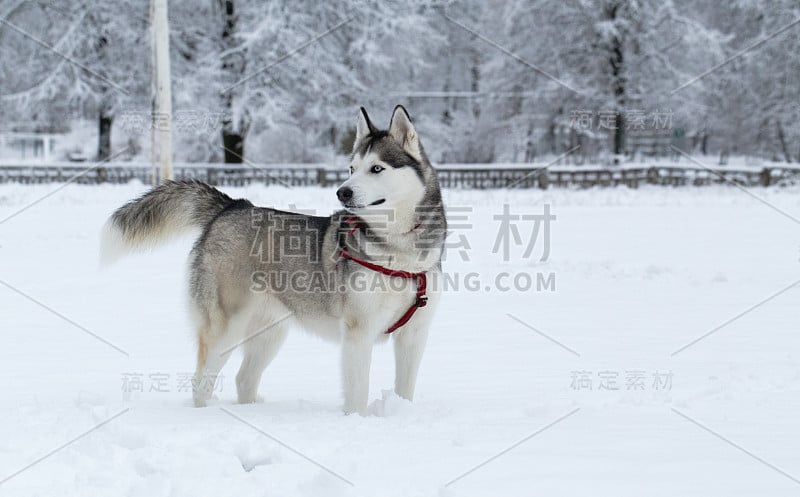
column 390, row 404
column 348, row 410
column 203, row 400
column 251, row 399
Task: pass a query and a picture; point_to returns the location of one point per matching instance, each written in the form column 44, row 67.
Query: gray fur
column 167, row 209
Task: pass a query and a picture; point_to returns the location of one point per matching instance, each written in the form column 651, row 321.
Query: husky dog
column 354, row 277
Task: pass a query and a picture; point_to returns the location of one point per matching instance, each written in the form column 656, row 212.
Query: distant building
column 38, row 147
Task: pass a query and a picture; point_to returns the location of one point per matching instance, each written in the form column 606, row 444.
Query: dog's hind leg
column 260, row 348
column 213, row 351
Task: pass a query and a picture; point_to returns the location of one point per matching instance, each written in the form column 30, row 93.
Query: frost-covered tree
column 484, row 80
column 611, row 56
column 296, row 71
column 91, row 57
column 753, row 92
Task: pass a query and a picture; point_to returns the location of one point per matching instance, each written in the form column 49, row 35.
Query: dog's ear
column 401, row 129
column 364, row 127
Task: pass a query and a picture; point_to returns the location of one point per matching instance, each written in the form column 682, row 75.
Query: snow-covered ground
column 638, row 275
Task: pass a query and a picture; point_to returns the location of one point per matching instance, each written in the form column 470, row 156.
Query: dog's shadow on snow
column 388, row 406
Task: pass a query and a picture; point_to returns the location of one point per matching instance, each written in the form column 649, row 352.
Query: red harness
column 421, row 279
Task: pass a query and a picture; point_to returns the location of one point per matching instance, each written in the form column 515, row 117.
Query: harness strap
column 421, row 280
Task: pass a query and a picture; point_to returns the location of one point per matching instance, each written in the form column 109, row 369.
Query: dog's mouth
column 361, row 206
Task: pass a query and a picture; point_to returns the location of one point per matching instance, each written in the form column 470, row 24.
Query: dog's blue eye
column 376, row 168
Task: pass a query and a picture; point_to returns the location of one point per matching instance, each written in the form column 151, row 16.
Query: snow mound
column 389, row 405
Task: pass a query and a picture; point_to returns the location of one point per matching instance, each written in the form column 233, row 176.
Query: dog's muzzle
column 344, row 194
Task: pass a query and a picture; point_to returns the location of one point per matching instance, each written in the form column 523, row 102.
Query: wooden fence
column 450, row 176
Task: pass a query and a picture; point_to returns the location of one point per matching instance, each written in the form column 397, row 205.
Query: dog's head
column 389, row 170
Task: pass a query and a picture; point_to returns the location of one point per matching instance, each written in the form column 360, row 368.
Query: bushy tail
column 164, row 212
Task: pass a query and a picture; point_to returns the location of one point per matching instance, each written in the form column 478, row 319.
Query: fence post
column 544, row 180
column 766, row 176
column 652, row 175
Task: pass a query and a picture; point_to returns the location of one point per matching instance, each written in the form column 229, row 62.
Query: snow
column 639, row 274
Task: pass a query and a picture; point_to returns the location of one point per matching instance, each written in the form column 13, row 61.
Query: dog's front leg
column 409, row 345
column 356, row 361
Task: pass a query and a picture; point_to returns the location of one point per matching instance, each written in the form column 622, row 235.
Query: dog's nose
column 345, row 194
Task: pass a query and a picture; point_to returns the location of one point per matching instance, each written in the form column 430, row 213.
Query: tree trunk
column 234, row 147
column 104, row 133
column 782, row 140
column 449, row 102
column 619, row 134
column 530, row 149
column 475, row 78
column 234, row 131
column 616, row 61
column 552, row 132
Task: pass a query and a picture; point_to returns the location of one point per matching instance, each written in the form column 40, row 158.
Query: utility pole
column 162, row 90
